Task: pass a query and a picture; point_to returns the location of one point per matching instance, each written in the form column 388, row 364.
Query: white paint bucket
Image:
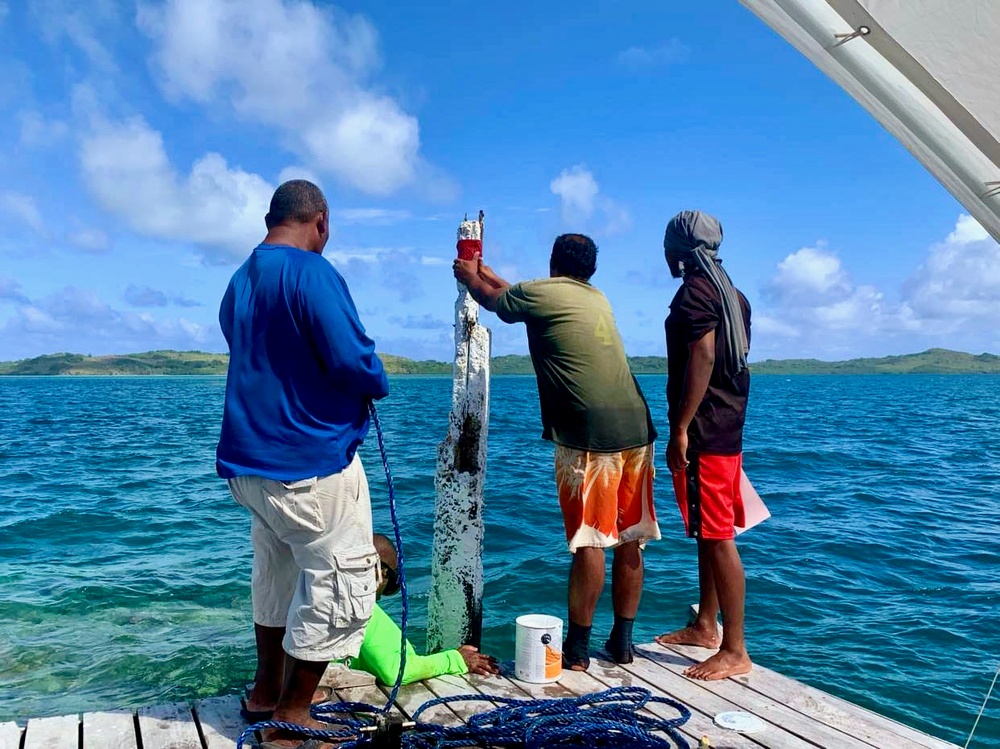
column 538, row 648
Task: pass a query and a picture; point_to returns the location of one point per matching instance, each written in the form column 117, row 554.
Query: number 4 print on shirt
column 603, row 330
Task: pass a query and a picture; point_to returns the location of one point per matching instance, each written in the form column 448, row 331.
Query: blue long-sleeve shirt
column 301, row 369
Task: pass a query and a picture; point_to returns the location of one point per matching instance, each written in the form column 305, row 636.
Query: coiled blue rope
column 593, row 721
column 605, row 719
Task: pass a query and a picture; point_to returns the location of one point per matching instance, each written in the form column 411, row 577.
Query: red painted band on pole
column 470, row 249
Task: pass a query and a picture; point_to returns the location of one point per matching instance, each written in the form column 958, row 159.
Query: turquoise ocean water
column 124, row 564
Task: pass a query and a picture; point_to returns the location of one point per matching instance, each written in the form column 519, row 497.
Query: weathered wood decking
column 796, row 716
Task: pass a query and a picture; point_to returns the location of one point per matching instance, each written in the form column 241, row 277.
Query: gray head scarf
column 694, row 237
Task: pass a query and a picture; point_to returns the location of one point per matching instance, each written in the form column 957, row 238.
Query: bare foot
column 321, row 695
column 282, row 738
column 260, row 702
column 702, row 638
column 722, row 665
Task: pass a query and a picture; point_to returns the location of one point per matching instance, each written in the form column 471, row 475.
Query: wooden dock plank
column 10, row 736
column 551, row 691
column 109, row 730
column 219, row 721
column 796, row 715
column 705, row 705
column 497, row 686
column 698, row 698
column 62, row 732
column 702, row 697
column 760, row 705
column 339, row 676
column 454, row 686
column 835, row 712
column 370, row 695
column 412, row 696
column 605, row 674
column 168, row 727
column 587, row 682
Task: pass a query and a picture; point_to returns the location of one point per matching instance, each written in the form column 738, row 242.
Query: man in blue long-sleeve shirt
column 301, row 374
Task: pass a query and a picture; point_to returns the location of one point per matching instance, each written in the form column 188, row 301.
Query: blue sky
column 140, row 143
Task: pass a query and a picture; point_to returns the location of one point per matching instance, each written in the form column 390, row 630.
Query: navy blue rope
column 400, row 567
column 604, row 720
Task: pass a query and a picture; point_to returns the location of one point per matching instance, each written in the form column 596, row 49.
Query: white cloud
column 298, row 172
column 433, row 260
column 811, row 290
column 383, row 256
column 144, row 296
column 967, row 230
column 10, row 291
column 421, row 322
column 294, row 66
column 87, row 26
column 960, row 280
column 221, row 209
column 577, row 189
column 4, row 10
column 24, row 209
column 90, row 240
column 78, row 320
column 772, row 327
column 37, row 131
column 377, row 270
column 809, row 276
column 580, row 199
column 617, row 217
column 952, row 300
column 671, row 52
column 370, row 215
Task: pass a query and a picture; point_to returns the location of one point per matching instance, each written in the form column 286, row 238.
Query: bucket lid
column 538, row 621
column 737, row 721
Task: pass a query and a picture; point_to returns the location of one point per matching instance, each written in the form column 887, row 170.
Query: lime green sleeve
column 379, row 655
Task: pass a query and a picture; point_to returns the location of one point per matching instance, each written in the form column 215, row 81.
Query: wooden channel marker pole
column 455, row 611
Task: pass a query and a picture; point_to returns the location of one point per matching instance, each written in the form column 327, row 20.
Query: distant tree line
column 934, row 361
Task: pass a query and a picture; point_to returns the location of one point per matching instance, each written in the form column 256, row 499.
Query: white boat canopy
column 928, row 70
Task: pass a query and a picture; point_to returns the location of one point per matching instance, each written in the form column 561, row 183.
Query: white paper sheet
column 754, row 510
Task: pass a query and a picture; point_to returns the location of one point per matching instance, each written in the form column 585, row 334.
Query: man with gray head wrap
column 708, row 339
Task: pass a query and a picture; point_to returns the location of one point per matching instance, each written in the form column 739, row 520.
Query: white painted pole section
column 455, row 613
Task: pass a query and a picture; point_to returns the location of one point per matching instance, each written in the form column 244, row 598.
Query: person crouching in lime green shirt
column 379, row 655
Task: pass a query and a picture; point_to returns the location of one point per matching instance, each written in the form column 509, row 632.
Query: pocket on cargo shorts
column 355, row 597
column 298, row 504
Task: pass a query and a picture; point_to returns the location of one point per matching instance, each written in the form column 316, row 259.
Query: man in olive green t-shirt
column 594, row 412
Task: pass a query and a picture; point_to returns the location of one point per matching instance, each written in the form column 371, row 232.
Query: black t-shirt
column 718, row 425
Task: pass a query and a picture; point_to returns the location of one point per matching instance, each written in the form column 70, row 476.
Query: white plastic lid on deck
column 742, row 722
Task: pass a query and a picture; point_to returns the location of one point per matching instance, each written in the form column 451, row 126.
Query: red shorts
column 708, row 494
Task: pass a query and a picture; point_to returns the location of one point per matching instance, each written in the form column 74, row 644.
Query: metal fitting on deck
column 388, row 731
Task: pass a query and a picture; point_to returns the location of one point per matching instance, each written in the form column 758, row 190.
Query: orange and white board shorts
column 606, row 498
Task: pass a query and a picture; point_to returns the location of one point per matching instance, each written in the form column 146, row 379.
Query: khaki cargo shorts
column 313, row 560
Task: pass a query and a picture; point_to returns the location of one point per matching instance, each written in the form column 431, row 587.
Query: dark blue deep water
column 124, row 564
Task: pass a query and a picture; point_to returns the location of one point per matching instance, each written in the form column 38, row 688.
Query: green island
column 933, row 361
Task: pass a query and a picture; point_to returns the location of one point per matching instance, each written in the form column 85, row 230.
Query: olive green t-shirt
column 589, row 398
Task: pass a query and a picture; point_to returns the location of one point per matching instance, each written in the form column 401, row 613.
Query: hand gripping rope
column 602, row 720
